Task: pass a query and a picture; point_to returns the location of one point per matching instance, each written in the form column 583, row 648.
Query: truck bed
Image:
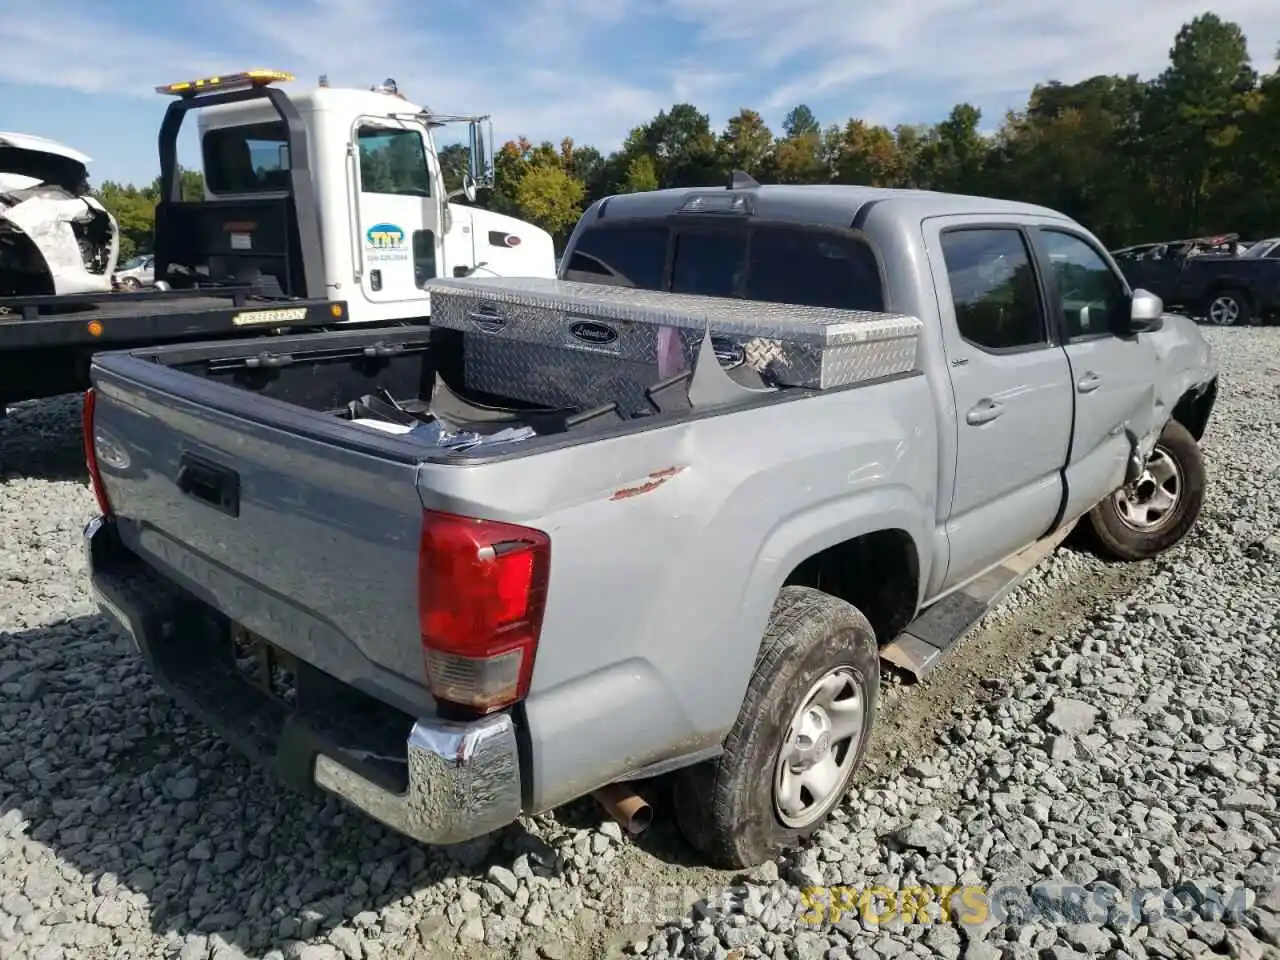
column 305, row 383
column 236, row 481
column 265, row 426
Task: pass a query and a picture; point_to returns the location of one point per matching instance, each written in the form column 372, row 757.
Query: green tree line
column 1195, row 150
column 1192, row 151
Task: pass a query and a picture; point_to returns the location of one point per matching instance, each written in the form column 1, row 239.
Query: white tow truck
column 321, row 207
column 385, row 222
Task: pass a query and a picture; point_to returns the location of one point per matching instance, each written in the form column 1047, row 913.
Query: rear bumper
column 442, row 782
column 464, row 781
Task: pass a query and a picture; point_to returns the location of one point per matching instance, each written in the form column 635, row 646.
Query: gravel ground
column 1111, row 735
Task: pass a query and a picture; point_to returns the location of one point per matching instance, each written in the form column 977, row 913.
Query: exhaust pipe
column 626, row 806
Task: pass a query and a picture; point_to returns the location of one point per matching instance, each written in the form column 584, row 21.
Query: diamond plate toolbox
column 574, row 344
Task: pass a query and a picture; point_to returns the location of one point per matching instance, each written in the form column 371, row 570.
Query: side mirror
column 1146, row 312
column 480, row 160
column 467, row 190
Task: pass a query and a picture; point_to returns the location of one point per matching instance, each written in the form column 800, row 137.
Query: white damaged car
column 55, row 238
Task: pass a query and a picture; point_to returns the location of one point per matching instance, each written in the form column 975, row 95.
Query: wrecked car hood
column 33, row 144
column 54, row 237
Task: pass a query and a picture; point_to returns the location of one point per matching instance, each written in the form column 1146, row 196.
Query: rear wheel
column 800, row 736
column 1145, row 518
column 1229, row 308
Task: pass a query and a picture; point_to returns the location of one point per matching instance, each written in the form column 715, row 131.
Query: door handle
column 1089, row 382
column 984, row 412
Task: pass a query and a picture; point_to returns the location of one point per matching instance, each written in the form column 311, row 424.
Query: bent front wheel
column 1145, row 518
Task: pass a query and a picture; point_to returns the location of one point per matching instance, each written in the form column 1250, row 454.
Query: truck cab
column 333, row 192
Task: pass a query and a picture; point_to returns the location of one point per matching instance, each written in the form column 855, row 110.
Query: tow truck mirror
column 479, row 172
column 480, row 155
column 1146, row 311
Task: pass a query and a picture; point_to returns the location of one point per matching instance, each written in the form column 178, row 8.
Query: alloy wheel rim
column 1224, row 311
column 1148, row 503
column 816, row 758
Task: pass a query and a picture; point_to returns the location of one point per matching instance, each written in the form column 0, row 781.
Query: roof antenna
column 738, row 180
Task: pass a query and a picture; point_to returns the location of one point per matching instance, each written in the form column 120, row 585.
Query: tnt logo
column 385, row 236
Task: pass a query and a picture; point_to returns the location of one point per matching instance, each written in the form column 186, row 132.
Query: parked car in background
column 1208, row 279
column 1263, row 250
column 136, row 273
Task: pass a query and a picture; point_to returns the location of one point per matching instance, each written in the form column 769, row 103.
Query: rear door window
column 993, row 287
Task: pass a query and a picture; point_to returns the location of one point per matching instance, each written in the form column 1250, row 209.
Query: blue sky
column 83, row 72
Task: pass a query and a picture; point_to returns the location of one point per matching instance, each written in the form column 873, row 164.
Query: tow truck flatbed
column 39, row 334
column 98, row 318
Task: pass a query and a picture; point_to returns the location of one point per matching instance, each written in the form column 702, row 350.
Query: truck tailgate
column 311, row 545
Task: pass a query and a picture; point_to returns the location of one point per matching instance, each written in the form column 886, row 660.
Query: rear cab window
column 630, row 256
column 249, row 158
column 775, row 263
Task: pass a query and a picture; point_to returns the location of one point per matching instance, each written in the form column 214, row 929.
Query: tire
column 1127, row 523
column 130, row 284
column 1229, row 308
column 726, row 807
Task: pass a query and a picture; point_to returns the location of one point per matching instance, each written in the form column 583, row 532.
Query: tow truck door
column 398, row 212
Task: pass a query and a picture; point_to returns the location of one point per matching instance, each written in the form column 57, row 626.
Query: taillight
column 91, row 454
column 482, row 590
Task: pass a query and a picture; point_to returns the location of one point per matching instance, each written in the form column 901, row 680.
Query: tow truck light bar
column 230, row 81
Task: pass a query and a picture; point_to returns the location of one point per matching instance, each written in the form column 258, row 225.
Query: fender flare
column 801, row 535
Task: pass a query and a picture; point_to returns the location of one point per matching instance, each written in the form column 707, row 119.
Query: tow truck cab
column 332, row 193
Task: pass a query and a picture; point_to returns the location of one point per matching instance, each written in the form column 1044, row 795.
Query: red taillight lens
column 482, row 589
column 91, row 454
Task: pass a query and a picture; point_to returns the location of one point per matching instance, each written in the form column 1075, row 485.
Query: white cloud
column 522, row 63
column 972, row 48
column 547, row 68
column 81, row 47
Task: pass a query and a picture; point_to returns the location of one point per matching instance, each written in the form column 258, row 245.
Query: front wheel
column 1145, row 518
column 800, row 736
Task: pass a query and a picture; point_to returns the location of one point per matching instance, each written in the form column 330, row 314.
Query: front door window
column 1092, row 296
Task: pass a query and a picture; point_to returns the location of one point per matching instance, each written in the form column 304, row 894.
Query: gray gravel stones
column 1115, row 795
column 1070, row 717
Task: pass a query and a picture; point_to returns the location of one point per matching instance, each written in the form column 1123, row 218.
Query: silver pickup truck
column 663, row 516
